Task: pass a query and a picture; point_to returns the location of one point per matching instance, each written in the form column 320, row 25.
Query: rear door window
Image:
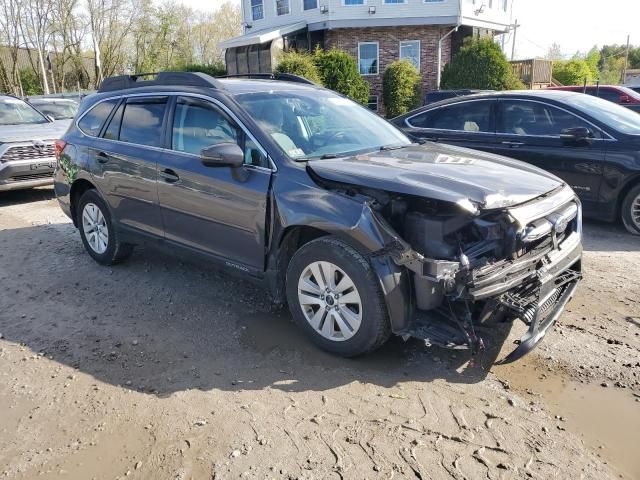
column 142, row 121
column 112, row 131
column 92, row 121
column 609, row 94
column 518, row 117
column 476, row 116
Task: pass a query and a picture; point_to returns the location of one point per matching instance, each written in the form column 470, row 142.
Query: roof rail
column 192, row 79
column 285, row 77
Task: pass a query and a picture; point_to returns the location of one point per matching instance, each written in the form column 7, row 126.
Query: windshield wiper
column 385, row 148
column 328, row 155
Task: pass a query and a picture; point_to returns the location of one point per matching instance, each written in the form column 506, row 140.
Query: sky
column 576, row 25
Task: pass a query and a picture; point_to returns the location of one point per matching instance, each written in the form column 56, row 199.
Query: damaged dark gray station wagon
column 361, row 232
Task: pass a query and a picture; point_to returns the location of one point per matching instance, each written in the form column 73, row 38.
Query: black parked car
column 592, row 144
column 363, row 233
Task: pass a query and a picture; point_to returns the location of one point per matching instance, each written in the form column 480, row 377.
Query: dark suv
column 361, row 232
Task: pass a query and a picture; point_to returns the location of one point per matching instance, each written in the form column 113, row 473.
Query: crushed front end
column 470, row 272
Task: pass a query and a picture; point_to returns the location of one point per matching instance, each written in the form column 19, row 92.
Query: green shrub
column 401, row 88
column 480, row 64
column 215, row 69
column 298, row 63
column 339, row 72
column 30, row 82
column 572, row 72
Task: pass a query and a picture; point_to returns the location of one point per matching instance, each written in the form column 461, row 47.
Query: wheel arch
column 624, row 191
column 78, row 188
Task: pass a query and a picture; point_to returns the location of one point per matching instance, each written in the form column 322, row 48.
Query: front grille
column 27, row 152
column 556, row 233
column 31, row 176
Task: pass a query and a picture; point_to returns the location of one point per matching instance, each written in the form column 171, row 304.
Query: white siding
column 338, row 11
column 493, row 13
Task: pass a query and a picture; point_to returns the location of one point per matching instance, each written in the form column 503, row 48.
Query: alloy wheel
column 95, row 228
column 635, row 211
column 330, row 301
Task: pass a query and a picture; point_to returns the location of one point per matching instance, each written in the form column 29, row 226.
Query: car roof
column 557, row 95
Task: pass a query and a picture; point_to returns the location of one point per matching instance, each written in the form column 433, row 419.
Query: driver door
column 216, row 210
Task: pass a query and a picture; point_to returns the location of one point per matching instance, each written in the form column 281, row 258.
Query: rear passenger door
column 217, row 210
column 126, row 161
column 468, row 124
column 530, row 130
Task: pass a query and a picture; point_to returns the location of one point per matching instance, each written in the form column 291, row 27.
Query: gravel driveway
column 163, row 369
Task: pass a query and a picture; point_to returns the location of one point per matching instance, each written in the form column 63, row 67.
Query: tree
column 481, row 64
column 299, row 63
column 401, row 88
column 339, row 72
column 572, row 72
column 593, row 59
column 554, row 53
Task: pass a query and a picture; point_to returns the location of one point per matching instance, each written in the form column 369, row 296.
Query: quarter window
column 92, row 121
column 309, row 4
column 142, row 121
column 368, row 58
column 282, row 7
column 257, row 9
column 465, row 117
column 410, row 50
column 533, row 118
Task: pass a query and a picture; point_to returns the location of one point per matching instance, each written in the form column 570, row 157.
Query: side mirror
column 576, row 135
column 625, row 99
column 222, row 155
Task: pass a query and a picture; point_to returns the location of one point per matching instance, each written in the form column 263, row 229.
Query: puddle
column 606, row 419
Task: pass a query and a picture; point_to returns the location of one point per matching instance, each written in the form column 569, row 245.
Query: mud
column 159, row 368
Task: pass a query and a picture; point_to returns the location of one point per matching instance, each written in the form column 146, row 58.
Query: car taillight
column 60, row 144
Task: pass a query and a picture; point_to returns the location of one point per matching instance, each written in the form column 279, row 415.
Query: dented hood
column 442, row 172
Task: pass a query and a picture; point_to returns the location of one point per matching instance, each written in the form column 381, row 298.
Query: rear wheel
column 99, row 237
column 334, row 295
column 631, row 210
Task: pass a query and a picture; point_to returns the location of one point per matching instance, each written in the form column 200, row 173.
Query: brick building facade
column 389, row 39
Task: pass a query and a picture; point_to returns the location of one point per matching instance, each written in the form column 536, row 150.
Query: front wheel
column 99, row 237
column 631, row 210
column 334, row 295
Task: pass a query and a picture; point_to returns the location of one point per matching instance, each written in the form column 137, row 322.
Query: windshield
column 16, row 112
column 58, row 111
column 618, row 118
column 319, row 124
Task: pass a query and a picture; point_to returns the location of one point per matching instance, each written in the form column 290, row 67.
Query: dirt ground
column 162, row 369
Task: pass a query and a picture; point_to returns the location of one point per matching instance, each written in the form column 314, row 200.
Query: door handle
column 513, row 144
column 102, row 157
column 169, row 175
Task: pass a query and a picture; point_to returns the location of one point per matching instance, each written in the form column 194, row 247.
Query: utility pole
column 513, row 45
column 626, row 61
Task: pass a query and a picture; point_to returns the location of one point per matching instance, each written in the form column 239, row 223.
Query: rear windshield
column 14, row 111
column 58, row 110
column 616, row 117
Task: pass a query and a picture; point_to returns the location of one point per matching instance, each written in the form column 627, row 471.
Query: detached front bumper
column 557, row 281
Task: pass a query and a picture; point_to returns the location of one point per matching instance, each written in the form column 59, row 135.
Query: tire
column 631, row 210
column 348, row 319
column 103, row 245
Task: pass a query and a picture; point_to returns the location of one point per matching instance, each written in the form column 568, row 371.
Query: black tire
column 115, row 251
column 374, row 329
column 631, row 210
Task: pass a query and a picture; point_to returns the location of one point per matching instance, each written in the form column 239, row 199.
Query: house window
column 282, row 7
column 387, row 2
column 372, row 103
column 368, row 58
column 257, row 10
column 352, row 2
column 433, row 1
column 410, row 50
column 309, row 4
